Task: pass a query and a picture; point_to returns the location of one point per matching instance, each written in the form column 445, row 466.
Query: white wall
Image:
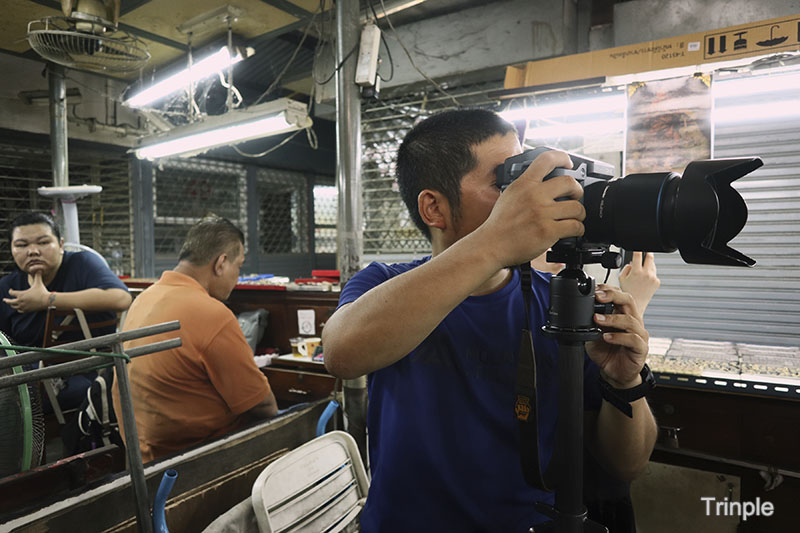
column 22, row 74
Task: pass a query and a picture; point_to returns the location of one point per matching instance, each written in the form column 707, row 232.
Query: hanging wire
column 269, row 150
column 294, row 54
column 229, row 98
column 385, row 45
column 339, row 66
column 193, row 107
column 411, row 58
column 232, row 90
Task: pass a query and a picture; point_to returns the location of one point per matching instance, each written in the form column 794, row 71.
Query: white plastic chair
column 319, row 487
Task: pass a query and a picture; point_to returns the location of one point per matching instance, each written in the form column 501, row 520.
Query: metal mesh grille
column 388, row 228
column 105, row 218
column 325, row 215
column 186, row 191
column 282, row 212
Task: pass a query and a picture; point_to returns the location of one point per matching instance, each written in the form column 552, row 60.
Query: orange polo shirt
column 199, row 391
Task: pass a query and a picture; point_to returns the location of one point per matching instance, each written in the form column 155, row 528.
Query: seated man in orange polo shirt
column 210, row 385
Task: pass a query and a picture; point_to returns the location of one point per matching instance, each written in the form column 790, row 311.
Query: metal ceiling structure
column 273, row 28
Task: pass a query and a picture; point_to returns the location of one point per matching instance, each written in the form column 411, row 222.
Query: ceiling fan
column 87, row 38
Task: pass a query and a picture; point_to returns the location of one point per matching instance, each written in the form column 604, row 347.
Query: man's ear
column 434, row 209
column 218, row 262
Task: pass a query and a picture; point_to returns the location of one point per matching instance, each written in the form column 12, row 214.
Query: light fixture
column 756, row 98
column 272, row 118
column 213, row 64
column 576, row 129
column 749, row 86
column 388, row 8
column 610, row 103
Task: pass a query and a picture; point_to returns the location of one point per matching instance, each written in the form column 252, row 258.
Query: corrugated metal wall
column 275, row 208
column 104, row 218
column 389, row 233
column 759, row 305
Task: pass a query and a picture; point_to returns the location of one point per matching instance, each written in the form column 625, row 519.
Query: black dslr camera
column 697, row 213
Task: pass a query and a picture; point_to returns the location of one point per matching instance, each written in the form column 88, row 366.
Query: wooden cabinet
column 292, row 386
column 282, row 307
column 754, row 439
column 733, row 426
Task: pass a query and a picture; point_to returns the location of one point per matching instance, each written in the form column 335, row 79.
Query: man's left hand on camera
column 622, row 350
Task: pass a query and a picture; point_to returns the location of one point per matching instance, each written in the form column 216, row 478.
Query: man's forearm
column 93, row 300
column 393, row 318
column 626, row 443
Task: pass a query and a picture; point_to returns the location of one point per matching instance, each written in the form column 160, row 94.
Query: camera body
column 588, row 173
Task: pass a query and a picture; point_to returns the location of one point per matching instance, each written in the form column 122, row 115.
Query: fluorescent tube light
column 204, row 68
column 388, row 8
column 255, row 122
column 760, row 111
column 611, row 103
column 576, row 129
column 756, row 85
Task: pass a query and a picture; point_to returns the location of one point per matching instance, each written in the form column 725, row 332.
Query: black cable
column 385, row 45
column 338, row 68
column 294, row 54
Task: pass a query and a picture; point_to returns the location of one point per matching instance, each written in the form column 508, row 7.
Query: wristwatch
column 622, row 398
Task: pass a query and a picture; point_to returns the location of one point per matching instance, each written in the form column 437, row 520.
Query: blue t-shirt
column 443, row 439
column 78, row 271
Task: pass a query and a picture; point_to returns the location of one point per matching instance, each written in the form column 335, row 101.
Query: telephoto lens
column 697, row 213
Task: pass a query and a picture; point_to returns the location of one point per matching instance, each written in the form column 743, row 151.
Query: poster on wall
column 669, row 124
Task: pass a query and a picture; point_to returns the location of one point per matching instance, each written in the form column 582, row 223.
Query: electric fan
column 87, row 38
column 21, row 421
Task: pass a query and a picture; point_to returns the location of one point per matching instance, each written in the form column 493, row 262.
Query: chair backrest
column 318, row 487
column 73, row 320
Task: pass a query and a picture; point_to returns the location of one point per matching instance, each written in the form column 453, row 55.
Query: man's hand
column 527, row 218
column 33, row 299
column 639, row 278
column 622, row 351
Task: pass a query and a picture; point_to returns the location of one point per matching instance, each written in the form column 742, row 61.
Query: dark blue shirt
column 443, row 439
column 78, row 271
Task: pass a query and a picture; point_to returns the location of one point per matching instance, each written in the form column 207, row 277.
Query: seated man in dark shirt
column 48, row 276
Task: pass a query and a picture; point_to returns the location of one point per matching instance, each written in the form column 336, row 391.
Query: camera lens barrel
column 633, row 212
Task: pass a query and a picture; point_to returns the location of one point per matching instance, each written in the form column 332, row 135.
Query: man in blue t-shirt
column 439, row 338
column 48, row 276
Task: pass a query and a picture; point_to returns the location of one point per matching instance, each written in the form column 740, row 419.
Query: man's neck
column 199, row 274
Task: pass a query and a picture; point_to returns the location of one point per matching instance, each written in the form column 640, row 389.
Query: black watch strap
column 622, row 398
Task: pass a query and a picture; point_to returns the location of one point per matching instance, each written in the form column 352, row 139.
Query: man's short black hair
column 210, row 238
column 33, row 217
column 438, row 152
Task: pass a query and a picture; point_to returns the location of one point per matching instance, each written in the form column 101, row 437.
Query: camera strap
column 526, row 406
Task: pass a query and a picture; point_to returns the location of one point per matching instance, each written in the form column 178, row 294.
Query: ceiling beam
column 126, row 27
column 277, row 32
column 289, row 7
column 309, row 43
column 130, row 5
column 144, row 34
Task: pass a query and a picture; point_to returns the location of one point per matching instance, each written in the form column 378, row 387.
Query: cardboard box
column 732, row 43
